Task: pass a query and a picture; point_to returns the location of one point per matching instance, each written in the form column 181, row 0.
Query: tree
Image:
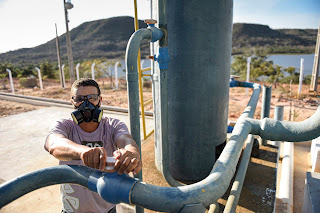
column 47, row 70
column 275, row 73
column 293, row 75
column 259, row 66
column 27, row 71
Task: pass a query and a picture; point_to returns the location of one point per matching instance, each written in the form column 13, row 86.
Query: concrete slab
column 22, row 138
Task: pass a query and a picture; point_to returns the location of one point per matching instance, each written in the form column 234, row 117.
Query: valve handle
column 150, row 21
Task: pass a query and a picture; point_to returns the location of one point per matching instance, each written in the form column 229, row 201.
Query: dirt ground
column 296, row 109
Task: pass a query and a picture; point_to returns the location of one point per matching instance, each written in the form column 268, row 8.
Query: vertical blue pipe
column 199, row 42
column 278, row 115
column 265, row 108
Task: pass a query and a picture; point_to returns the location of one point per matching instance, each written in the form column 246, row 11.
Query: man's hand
column 95, row 158
column 127, row 161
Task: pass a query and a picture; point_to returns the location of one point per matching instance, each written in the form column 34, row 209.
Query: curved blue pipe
column 112, row 187
column 22, row 185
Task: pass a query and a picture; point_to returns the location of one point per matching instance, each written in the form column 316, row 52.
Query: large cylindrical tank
column 199, row 35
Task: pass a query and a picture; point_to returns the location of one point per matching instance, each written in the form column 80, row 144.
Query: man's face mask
column 86, row 111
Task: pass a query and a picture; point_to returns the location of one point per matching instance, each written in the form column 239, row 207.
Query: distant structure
column 315, row 70
column 67, row 6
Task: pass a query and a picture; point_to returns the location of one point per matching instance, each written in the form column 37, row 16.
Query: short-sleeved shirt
column 77, row 198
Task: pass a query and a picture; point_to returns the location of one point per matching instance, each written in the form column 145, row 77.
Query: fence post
column 92, row 70
column 11, row 81
column 40, row 79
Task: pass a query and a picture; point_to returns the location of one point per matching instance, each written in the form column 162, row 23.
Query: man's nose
column 86, row 103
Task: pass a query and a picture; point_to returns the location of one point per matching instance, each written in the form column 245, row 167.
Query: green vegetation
column 260, row 66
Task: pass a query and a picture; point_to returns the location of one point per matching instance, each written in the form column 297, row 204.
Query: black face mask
column 87, row 112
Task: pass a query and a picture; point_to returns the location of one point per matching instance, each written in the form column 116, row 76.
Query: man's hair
column 85, row 82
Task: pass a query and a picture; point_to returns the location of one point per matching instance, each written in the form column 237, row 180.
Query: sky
column 29, row 23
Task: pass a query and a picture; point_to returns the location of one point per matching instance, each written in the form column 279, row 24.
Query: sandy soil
column 300, row 110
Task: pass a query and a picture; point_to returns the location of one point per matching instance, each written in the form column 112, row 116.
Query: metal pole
column 315, row 70
column 248, row 72
column 116, row 73
column 69, row 47
column 59, row 59
column 64, row 79
column 77, row 70
column 40, row 79
column 92, row 70
column 300, row 78
column 11, row 81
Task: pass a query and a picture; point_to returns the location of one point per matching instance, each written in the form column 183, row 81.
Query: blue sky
column 30, row 23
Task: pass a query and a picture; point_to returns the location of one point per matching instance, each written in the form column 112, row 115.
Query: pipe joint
column 112, row 187
column 162, row 57
column 156, row 32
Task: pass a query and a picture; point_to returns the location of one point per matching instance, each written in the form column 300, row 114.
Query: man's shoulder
column 64, row 122
column 113, row 122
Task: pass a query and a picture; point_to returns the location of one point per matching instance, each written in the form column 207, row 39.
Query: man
column 87, row 139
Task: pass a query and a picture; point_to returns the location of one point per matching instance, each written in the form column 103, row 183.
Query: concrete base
column 312, row 193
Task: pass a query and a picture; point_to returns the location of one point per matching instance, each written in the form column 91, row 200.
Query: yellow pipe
column 148, row 102
column 150, row 133
column 146, row 74
column 146, row 69
column 136, row 27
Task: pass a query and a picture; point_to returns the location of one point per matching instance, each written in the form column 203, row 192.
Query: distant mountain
column 96, row 39
column 255, row 36
column 108, row 38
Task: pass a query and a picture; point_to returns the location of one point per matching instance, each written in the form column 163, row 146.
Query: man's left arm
column 127, row 156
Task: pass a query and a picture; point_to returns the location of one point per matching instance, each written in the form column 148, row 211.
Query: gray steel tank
column 199, row 35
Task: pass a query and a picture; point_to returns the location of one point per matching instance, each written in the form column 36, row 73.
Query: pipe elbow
column 132, row 52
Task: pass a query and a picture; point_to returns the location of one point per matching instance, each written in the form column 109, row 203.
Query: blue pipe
column 19, row 186
column 275, row 130
column 172, row 199
column 235, row 83
column 169, row 199
column 112, row 187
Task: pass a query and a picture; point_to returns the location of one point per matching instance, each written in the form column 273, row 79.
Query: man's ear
column 100, row 102
column 72, row 102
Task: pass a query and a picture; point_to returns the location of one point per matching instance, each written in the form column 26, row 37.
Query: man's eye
column 79, row 99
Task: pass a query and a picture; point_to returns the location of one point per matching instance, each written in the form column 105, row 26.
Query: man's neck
column 89, row 126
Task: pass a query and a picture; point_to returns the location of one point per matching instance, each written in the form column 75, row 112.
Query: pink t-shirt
column 76, row 198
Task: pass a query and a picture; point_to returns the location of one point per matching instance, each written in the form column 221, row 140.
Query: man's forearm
column 63, row 148
column 127, row 142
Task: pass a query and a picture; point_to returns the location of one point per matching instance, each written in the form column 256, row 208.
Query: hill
column 262, row 37
column 108, row 38
column 96, row 39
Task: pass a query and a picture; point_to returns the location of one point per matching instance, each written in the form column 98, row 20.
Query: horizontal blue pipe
column 275, row 130
column 13, row 189
column 112, row 187
column 234, row 83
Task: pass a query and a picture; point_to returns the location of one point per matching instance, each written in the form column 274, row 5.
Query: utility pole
column 315, row 70
column 68, row 5
column 59, row 59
